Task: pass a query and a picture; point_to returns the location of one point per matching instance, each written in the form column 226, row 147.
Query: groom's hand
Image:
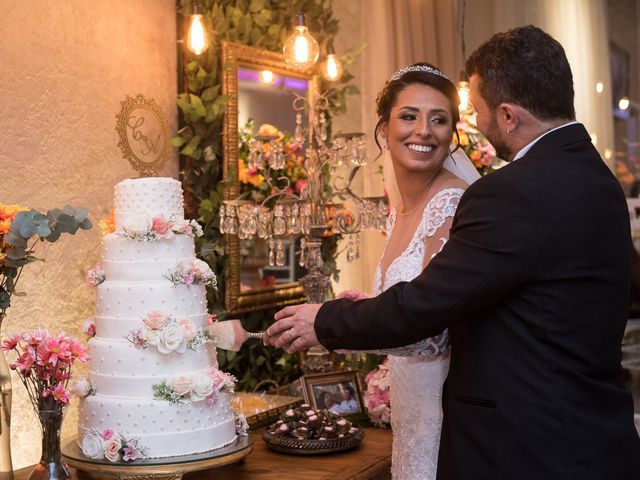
column 294, row 329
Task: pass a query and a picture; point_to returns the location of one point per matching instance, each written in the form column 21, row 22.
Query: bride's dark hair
column 389, row 95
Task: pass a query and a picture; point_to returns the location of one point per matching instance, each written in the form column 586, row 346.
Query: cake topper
column 144, row 136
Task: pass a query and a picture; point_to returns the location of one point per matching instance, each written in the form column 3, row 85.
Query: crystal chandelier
column 320, row 208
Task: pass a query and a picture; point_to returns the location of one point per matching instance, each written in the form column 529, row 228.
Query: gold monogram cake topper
column 144, row 136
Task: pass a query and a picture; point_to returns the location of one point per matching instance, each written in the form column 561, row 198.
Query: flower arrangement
column 377, row 395
column 95, row 276
column 18, row 226
column 203, row 386
column 166, row 334
column 89, row 327
column 159, row 228
column 252, row 183
column 113, row 446
column 43, row 363
column 197, row 272
column 476, row 146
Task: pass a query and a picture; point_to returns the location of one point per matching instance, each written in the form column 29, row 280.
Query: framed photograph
column 338, row 392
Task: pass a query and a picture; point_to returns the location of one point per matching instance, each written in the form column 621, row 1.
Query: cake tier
column 134, row 300
column 122, row 370
column 126, row 260
column 139, row 200
column 164, row 429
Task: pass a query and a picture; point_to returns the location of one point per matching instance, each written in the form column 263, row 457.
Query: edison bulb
column 197, row 37
column 332, row 68
column 300, row 48
column 267, row 77
column 623, row 104
column 599, row 88
column 463, row 93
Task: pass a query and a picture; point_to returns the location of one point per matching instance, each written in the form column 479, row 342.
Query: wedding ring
column 291, row 337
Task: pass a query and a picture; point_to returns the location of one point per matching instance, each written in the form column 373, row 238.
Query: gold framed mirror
column 251, row 284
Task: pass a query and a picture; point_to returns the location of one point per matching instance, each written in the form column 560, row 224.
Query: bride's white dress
column 417, row 372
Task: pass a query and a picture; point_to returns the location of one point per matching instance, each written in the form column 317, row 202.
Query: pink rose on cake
column 171, row 338
column 189, row 329
column 222, row 381
column 196, row 272
column 182, row 385
column 155, row 320
column 161, row 228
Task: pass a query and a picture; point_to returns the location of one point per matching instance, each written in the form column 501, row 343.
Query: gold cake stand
column 171, row 468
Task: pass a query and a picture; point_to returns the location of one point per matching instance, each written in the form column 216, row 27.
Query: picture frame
column 338, row 392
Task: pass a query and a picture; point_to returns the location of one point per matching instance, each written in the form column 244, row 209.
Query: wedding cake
column 154, row 389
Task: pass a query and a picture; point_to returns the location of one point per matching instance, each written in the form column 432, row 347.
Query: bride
column 418, row 113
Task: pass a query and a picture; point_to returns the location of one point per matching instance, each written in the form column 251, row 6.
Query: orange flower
column 108, row 224
column 7, row 215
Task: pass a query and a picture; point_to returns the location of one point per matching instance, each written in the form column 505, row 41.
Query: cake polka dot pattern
column 124, row 375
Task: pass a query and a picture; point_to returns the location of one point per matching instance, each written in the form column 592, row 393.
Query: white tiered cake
column 154, row 380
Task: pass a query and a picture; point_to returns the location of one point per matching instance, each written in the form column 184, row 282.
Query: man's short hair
column 528, row 67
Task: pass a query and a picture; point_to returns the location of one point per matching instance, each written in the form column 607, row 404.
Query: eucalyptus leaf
column 5, row 299
column 177, row 141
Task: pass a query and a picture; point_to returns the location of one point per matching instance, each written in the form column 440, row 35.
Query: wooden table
column 371, row 460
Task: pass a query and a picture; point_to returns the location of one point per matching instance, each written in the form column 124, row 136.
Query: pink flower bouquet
column 377, row 396
column 43, row 363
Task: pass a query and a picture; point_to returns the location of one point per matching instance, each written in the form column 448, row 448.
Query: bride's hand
column 294, row 329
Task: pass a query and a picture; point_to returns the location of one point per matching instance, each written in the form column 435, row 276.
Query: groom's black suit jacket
column 533, row 285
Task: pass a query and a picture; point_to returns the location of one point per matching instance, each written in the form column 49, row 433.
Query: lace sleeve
column 435, row 225
column 432, row 346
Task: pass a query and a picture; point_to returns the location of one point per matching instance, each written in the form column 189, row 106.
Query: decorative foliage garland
column 262, row 24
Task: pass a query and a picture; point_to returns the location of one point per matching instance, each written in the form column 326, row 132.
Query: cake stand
column 170, row 468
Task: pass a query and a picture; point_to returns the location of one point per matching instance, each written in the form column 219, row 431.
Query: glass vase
column 6, row 467
column 51, row 466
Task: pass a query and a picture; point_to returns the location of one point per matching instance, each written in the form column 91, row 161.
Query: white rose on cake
column 171, row 339
column 80, row 387
column 138, row 224
column 93, row 446
column 202, row 387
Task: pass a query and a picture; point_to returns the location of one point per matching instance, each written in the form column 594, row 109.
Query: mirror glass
column 261, row 89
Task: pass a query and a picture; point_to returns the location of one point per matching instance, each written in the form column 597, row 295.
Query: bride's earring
column 385, row 144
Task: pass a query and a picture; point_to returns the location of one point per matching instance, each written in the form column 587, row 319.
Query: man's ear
column 508, row 117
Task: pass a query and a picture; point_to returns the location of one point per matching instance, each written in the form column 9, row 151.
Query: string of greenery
column 263, row 24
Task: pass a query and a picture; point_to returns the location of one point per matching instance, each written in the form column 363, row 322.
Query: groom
column 533, row 286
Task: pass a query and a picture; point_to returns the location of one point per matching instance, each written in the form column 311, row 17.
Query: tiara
column 418, row 68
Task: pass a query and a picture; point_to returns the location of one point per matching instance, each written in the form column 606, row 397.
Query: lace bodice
column 417, row 372
column 409, row 264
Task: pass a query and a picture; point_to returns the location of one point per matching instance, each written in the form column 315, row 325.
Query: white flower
column 112, row 448
column 93, row 446
column 181, row 226
column 171, row 338
column 80, row 387
column 138, row 224
column 153, row 338
column 202, row 387
column 197, row 228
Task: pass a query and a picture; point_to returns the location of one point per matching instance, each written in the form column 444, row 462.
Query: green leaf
column 5, row 299
column 177, row 141
column 197, row 104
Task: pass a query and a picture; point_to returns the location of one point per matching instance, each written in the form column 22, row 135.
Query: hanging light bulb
column 599, row 87
column 332, row 67
column 267, row 77
column 624, row 102
column 300, row 48
column 197, row 40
